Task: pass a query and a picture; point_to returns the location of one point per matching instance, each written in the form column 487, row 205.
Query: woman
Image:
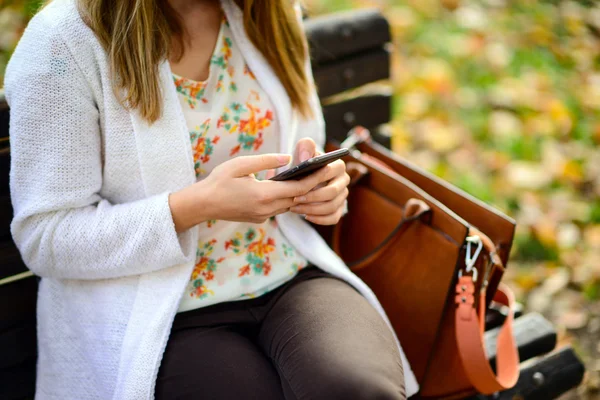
column 141, row 133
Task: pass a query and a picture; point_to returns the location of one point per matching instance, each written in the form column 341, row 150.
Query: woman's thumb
column 305, row 149
column 270, row 174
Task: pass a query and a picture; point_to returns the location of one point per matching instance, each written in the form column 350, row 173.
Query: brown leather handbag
column 434, row 256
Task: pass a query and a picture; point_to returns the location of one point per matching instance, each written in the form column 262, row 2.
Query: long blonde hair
column 137, row 36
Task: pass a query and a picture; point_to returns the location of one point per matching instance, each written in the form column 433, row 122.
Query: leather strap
column 356, row 171
column 414, row 210
column 470, row 339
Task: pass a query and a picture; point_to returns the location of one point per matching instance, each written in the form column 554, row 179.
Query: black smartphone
column 306, row 167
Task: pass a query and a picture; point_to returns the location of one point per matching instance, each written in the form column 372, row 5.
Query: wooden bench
column 349, row 50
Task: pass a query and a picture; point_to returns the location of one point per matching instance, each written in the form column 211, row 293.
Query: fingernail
column 283, row 159
column 300, row 199
column 304, row 155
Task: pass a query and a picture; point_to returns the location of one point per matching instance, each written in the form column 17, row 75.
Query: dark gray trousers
column 314, row 337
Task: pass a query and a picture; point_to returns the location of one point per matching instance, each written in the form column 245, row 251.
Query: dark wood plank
column 18, row 382
column 534, row 335
column 17, row 332
column 546, row 378
column 4, row 117
column 335, row 36
column 351, row 72
column 495, row 315
column 10, row 260
column 4, row 170
column 17, row 302
column 369, row 111
column 18, row 343
column 3, row 104
column 549, row 378
column 6, row 215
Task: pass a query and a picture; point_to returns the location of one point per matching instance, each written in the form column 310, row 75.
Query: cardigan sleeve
column 63, row 228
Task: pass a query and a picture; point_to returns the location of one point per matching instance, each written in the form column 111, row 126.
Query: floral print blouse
column 229, row 115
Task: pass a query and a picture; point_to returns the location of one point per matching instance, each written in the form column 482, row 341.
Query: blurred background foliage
column 501, row 98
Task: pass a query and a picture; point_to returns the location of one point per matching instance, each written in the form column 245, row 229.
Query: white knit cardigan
column 90, row 183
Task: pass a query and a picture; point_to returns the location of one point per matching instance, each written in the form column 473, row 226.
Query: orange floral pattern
column 248, row 122
column 202, row 146
column 229, row 115
column 192, row 90
column 257, row 251
column 204, row 270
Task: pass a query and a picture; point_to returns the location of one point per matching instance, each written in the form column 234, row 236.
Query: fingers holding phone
column 231, row 192
column 326, row 203
column 329, row 161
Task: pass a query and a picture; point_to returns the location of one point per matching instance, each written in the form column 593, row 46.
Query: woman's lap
column 216, row 363
column 315, row 337
column 328, row 342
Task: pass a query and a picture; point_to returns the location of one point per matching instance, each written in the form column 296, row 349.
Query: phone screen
column 307, row 167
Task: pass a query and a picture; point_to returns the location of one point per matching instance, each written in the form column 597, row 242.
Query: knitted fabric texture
column 90, row 183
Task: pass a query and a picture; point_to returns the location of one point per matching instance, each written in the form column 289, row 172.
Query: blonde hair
column 138, row 35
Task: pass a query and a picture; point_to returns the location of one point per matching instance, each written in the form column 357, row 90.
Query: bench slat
column 369, row 111
column 4, row 116
column 495, row 315
column 534, row 335
column 10, row 259
column 6, row 215
column 4, row 170
column 18, row 344
column 17, row 303
column 352, row 72
column 335, row 36
column 545, row 378
column 18, row 382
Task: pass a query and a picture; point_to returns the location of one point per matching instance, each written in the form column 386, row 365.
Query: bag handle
column 470, row 329
column 414, row 210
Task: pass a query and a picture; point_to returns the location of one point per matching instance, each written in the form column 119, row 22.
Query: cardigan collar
column 166, row 142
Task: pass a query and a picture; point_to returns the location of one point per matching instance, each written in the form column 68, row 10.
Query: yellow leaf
column 561, row 116
column 572, row 172
column 527, row 281
column 545, row 231
column 439, row 137
column 401, row 139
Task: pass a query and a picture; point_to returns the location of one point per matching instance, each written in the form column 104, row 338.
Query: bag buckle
column 471, row 258
column 356, row 135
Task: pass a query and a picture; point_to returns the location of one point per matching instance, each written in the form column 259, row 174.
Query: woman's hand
column 232, row 193
column 326, row 204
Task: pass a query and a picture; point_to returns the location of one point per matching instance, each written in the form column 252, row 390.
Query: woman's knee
column 364, row 387
column 349, row 382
